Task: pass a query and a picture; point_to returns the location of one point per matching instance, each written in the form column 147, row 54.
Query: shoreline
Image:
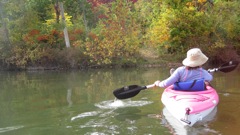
column 58, row 68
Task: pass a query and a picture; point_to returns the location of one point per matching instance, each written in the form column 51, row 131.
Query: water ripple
column 112, row 104
column 86, row 114
column 6, row 129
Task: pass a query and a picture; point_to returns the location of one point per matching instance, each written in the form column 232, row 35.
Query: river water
column 82, row 103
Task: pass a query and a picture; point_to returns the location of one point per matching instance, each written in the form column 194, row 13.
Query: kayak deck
column 191, row 106
column 196, row 101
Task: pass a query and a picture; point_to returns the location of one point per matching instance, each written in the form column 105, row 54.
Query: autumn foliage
column 111, row 32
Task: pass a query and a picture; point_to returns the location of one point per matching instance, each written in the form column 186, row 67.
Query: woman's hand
column 207, row 83
column 156, row 83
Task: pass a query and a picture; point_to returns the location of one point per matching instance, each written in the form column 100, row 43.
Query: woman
column 192, row 70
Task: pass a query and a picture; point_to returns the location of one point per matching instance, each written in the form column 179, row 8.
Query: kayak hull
column 180, row 129
column 190, row 107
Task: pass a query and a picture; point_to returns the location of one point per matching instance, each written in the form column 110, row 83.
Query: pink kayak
column 190, row 107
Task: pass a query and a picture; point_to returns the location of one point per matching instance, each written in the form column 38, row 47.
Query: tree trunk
column 5, row 29
column 57, row 11
column 65, row 26
column 82, row 4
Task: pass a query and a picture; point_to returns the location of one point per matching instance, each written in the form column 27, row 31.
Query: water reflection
column 198, row 129
column 81, row 102
column 69, row 97
column 130, row 114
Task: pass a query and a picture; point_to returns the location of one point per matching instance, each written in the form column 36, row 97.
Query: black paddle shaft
column 230, row 66
column 226, row 67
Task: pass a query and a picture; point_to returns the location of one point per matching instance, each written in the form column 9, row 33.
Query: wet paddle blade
column 227, row 67
column 128, row 91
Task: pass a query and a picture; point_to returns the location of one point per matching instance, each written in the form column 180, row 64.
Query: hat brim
column 195, row 63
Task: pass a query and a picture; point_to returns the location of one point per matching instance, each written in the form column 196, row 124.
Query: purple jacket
column 182, row 74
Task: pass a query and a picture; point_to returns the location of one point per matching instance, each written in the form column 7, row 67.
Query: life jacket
column 194, row 85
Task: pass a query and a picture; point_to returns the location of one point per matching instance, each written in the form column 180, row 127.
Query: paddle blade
column 128, row 91
column 227, row 67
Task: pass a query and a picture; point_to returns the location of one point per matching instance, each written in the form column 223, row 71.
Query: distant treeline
column 93, row 33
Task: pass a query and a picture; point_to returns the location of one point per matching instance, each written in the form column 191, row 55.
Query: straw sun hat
column 195, row 58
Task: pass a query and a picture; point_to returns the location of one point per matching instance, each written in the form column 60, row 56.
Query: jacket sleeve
column 207, row 76
column 170, row 80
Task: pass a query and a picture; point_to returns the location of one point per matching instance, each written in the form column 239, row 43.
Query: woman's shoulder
column 181, row 68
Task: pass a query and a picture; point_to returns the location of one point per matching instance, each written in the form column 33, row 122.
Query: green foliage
column 113, row 33
column 42, row 8
column 175, row 27
column 185, row 24
column 118, row 38
column 225, row 31
column 79, row 9
column 159, row 30
column 147, row 14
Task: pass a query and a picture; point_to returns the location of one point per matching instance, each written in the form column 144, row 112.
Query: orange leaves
column 31, row 36
column 43, row 38
column 55, row 33
column 34, row 32
column 92, row 36
column 35, row 37
column 52, row 38
column 78, row 31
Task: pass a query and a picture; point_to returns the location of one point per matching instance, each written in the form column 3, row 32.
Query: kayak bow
column 192, row 106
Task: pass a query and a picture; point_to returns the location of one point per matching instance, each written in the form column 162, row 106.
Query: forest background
column 73, row 34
